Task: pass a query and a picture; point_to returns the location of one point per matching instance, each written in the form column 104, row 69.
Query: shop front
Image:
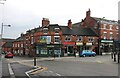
column 79, row 47
column 68, row 48
column 49, row 50
column 106, row 46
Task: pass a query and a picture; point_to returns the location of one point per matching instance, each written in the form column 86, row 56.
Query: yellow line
column 38, row 71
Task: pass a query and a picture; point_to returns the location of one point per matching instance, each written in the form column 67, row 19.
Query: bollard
column 118, row 57
column 34, row 61
column 114, row 57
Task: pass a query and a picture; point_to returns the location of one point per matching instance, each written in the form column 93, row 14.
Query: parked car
column 87, row 53
column 9, row 55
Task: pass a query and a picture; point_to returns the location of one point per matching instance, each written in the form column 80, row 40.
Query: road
column 66, row 66
column 17, row 68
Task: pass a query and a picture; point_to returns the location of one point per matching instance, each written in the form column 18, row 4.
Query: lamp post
column 2, row 34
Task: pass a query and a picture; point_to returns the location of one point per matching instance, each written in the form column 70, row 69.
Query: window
column 79, row 38
column 18, row 45
column 56, row 39
column 90, row 39
column 56, row 30
column 117, row 27
column 110, row 27
column 105, row 35
column 32, row 40
column 105, row 26
column 21, row 45
column 111, row 35
column 45, row 30
column 43, row 50
column 68, row 38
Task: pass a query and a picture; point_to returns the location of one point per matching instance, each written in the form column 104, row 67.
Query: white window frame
column 90, row 39
column 66, row 38
column 44, row 30
column 104, row 26
column 55, row 41
column 79, row 38
column 111, row 27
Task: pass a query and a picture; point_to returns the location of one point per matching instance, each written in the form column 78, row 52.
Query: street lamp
column 2, row 34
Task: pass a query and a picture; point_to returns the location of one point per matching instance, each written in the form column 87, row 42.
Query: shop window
column 67, row 38
column 57, row 52
column 43, row 50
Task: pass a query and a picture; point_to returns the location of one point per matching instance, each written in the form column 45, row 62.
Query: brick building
column 56, row 40
column 18, row 46
column 7, row 44
column 108, row 31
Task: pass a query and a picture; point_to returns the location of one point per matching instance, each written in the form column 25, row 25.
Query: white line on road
column 58, row 74
column 11, row 71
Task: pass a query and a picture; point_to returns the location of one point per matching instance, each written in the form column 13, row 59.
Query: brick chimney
column 88, row 13
column 22, row 34
column 70, row 24
column 45, row 22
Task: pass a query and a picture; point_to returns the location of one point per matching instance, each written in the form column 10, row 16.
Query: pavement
column 0, row 68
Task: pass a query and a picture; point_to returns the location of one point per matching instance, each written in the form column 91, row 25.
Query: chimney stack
column 88, row 13
column 45, row 22
column 70, row 24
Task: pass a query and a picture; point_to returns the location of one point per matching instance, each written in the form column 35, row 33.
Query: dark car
column 9, row 55
column 87, row 53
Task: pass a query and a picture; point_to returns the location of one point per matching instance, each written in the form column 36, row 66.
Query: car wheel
column 93, row 55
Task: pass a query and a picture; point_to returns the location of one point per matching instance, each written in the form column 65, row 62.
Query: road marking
column 11, row 71
column 58, row 74
column 43, row 69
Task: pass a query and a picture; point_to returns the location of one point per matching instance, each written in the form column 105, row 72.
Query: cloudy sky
column 26, row 14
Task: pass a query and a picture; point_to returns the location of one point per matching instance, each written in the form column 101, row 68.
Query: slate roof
column 7, row 39
column 105, row 20
column 76, row 24
column 7, row 45
column 78, row 31
column 19, row 39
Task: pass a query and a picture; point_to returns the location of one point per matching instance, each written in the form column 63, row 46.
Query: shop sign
column 107, row 41
column 50, row 45
column 48, row 39
column 43, row 39
column 79, row 43
column 88, row 43
column 68, row 43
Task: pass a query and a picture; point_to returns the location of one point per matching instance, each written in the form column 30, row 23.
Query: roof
column 103, row 20
column 76, row 24
column 78, row 31
column 7, row 39
column 19, row 39
column 7, row 45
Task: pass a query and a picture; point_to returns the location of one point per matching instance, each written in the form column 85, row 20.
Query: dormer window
column 57, row 30
column 90, row 39
column 67, row 38
column 45, row 30
column 79, row 38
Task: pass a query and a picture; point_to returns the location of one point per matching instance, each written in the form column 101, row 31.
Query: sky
column 23, row 15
